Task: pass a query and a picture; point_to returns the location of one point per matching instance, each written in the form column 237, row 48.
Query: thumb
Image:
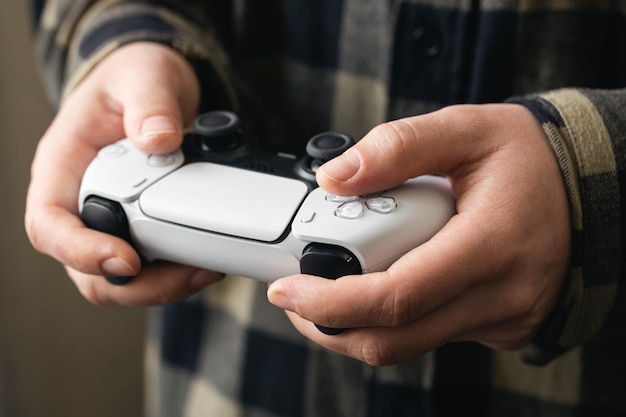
column 395, row 151
column 156, row 103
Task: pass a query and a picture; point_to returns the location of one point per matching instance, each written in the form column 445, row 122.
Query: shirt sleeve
column 586, row 129
column 72, row 36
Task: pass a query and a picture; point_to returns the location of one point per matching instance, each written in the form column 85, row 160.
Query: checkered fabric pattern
column 250, row 361
column 293, row 68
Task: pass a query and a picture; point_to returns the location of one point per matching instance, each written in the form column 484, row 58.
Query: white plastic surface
column 257, row 225
column 246, row 258
column 225, row 200
column 121, row 172
column 423, row 206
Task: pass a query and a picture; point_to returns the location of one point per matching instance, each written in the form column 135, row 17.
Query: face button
column 112, row 151
column 382, row 205
column 350, row 210
column 340, row 198
column 158, row 161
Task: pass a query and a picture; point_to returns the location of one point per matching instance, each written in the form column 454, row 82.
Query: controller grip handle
column 108, row 217
column 332, row 262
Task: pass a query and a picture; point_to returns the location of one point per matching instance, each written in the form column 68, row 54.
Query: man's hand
column 143, row 91
column 491, row 275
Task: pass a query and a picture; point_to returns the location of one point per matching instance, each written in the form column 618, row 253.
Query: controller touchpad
column 225, row 200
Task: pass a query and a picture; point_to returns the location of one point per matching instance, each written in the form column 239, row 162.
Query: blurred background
column 59, row 355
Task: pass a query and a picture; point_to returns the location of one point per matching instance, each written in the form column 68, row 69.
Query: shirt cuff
column 577, row 130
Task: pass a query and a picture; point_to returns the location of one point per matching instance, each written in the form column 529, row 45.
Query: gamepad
column 222, row 204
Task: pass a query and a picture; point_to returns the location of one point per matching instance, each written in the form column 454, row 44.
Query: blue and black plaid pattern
column 266, row 368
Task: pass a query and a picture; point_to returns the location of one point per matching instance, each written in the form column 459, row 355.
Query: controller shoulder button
column 329, row 261
column 105, row 216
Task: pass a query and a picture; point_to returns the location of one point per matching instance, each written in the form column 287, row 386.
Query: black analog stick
column 217, row 131
column 325, row 146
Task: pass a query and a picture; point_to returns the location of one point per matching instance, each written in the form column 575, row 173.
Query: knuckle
column 32, row 231
column 70, row 256
column 169, row 284
column 520, row 305
column 514, row 337
column 168, row 295
column 63, row 245
column 324, row 317
column 375, row 352
column 394, row 138
column 517, row 341
column 464, row 117
column 386, row 132
column 399, row 308
column 88, row 288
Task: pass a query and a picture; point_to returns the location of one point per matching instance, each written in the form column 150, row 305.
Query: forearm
column 74, row 36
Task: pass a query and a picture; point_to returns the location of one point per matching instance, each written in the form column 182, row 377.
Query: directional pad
column 355, row 207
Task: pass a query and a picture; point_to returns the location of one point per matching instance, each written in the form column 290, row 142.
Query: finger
column 421, row 281
column 472, row 316
column 380, row 346
column 377, row 346
column 70, row 144
column 57, row 232
column 157, row 284
column 393, row 152
column 156, row 105
column 52, row 201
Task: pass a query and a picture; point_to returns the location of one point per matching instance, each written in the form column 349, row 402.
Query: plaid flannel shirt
column 296, row 67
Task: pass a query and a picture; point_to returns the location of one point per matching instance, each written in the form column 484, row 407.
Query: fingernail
column 157, row 126
column 201, row 279
column 342, row 168
column 277, row 297
column 117, row 267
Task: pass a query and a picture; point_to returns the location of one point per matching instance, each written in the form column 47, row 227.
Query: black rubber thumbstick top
column 217, row 131
column 326, row 146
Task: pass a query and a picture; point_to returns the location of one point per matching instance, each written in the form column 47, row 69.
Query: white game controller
column 221, row 205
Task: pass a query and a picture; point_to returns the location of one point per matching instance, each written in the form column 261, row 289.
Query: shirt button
column 426, row 42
